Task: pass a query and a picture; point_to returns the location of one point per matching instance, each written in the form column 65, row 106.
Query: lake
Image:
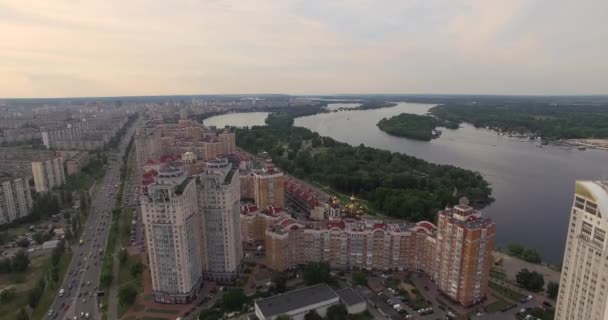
column 533, row 186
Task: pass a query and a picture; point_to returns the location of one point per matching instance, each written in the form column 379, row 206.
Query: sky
column 62, row 48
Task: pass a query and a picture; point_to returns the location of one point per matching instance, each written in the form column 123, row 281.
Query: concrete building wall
column 583, row 284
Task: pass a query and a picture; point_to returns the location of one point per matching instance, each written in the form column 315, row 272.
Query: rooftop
column 349, row 296
column 292, row 300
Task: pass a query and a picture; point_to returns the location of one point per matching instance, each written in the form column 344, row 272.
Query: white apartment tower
column 15, row 199
column 583, row 291
column 219, row 195
column 48, row 174
column 171, row 220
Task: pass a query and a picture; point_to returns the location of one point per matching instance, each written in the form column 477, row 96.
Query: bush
column 532, row 281
column 127, row 295
column 360, row 278
column 8, row 295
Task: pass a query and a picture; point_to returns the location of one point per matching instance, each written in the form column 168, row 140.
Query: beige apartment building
column 219, row 204
column 583, row 288
column 171, row 221
column 265, row 186
column 440, row 253
column 255, row 222
column 48, row 174
column 15, row 198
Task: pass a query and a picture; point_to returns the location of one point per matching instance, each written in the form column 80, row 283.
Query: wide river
column 533, row 186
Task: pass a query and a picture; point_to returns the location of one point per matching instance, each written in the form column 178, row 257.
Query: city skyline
column 66, row 48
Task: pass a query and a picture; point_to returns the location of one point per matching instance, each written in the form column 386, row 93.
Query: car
column 50, row 312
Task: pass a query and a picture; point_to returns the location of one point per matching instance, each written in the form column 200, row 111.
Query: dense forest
column 396, row 184
column 549, row 121
column 413, row 126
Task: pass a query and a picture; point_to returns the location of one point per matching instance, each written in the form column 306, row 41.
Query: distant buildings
column 219, row 206
column 456, row 255
column 48, row 174
column 15, row 198
column 583, row 291
column 171, row 221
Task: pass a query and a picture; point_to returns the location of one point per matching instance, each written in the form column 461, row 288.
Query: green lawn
column 507, row 292
column 51, row 290
column 496, row 306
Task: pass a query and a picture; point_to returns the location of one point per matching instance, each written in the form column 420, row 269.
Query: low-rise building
column 297, row 303
column 352, row 300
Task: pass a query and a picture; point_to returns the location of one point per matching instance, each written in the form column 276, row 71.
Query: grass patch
column 162, row 311
column 506, row 292
column 496, row 306
column 148, row 297
column 51, row 289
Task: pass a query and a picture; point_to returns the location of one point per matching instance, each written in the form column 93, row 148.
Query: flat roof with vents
column 297, row 299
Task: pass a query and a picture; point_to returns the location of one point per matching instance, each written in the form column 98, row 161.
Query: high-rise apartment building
column 147, row 145
column 583, row 290
column 15, row 199
column 265, row 186
column 219, row 205
column 463, row 253
column 48, row 174
column 171, row 221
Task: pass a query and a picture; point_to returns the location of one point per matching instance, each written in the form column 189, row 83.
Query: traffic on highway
column 77, row 297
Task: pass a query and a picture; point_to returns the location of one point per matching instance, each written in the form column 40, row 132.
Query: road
column 81, row 281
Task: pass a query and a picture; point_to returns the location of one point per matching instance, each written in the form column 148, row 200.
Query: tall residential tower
column 171, row 220
column 219, row 195
column 583, row 292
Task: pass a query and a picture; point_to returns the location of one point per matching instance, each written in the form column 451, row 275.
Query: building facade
column 15, row 199
column 583, row 287
column 219, row 204
column 170, row 216
column 463, row 253
column 265, row 186
column 456, row 255
column 48, row 174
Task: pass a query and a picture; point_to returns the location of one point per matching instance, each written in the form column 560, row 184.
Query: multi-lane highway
column 77, row 296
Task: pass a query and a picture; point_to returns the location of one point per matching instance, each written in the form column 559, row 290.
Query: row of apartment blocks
column 455, row 255
column 91, row 133
column 46, row 168
column 156, row 139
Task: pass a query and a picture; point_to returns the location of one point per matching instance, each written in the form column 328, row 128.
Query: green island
column 546, row 120
column 413, row 126
column 395, row 184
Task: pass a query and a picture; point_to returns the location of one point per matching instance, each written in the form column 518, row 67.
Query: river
column 533, row 187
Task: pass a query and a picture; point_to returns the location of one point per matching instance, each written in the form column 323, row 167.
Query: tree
column 283, row 317
column 552, row 289
column 22, row 315
column 515, row 249
column 337, row 312
column 20, row 261
column 279, row 281
column 312, row 315
column 234, row 300
column 7, row 295
column 136, row 269
column 360, row 278
column 127, row 295
column 532, row 281
column 211, row 314
column 531, row 255
column 24, row 243
column 316, row 272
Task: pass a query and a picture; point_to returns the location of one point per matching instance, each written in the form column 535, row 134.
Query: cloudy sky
column 54, row 48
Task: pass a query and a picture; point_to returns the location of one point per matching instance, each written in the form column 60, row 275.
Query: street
column 79, row 300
